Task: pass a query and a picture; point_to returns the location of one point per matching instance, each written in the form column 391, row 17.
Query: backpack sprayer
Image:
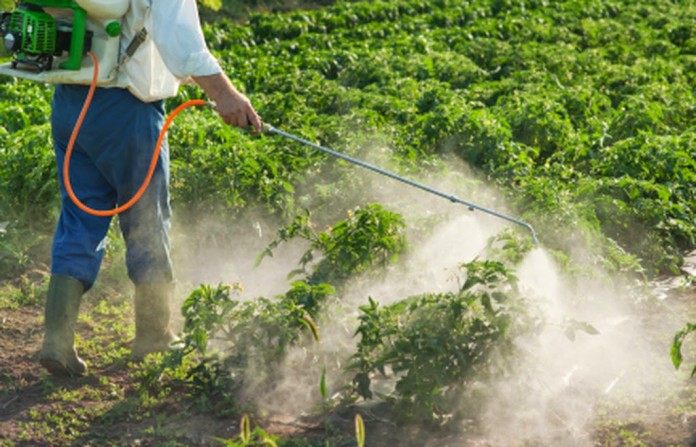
column 36, row 38
column 39, row 33
column 49, row 39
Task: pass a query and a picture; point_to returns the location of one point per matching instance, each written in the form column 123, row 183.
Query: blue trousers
column 108, row 164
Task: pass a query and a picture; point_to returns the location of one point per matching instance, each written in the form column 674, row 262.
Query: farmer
column 109, row 163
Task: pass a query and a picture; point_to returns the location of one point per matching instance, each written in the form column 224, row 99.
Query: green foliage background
column 583, row 112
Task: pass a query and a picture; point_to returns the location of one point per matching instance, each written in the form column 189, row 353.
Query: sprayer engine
column 35, row 37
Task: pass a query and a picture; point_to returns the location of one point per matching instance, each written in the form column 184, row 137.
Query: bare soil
column 29, row 416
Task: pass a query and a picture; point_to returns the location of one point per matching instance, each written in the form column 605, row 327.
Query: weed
column 24, row 292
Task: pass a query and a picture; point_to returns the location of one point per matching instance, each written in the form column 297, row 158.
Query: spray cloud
column 552, row 397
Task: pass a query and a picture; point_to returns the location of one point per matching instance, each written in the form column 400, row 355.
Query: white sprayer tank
column 104, row 9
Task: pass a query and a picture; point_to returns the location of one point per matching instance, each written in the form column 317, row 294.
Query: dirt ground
column 28, row 415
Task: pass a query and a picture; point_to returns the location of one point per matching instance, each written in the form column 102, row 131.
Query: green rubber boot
column 58, row 354
column 153, row 331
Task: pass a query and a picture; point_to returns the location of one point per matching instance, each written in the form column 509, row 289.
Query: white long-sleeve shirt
column 174, row 49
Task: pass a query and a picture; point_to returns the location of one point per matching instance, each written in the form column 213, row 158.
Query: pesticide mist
column 566, row 380
column 588, row 350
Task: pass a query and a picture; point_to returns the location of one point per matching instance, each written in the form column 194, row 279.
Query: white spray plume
column 552, row 398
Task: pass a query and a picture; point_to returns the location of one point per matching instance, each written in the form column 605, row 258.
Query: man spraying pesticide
column 145, row 48
column 114, row 61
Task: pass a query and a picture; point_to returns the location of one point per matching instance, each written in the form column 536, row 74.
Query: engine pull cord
column 153, row 162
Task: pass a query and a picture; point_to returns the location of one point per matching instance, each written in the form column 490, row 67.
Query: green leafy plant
column 215, row 5
column 370, row 237
column 224, row 337
column 248, row 437
column 558, row 106
column 27, row 291
column 678, row 342
column 582, row 114
column 437, row 346
column 251, row 334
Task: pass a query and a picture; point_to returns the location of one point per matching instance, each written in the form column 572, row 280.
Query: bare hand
column 233, row 106
column 236, row 110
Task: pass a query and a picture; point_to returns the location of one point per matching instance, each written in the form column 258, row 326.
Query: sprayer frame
column 79, row 30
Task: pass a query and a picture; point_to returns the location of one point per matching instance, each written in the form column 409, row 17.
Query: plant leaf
column 245, row 429
column 322, row 383
column 359, row 430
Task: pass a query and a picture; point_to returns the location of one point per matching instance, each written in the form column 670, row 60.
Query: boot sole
column 57, row 368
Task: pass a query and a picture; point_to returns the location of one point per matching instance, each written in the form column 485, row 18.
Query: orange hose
column 153, row 163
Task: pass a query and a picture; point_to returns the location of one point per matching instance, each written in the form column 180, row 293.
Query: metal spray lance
column 452, row 198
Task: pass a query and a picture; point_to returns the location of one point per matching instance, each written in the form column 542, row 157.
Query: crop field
column 323, row 304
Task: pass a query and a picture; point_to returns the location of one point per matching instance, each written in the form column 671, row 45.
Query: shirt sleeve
column 176, row 32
